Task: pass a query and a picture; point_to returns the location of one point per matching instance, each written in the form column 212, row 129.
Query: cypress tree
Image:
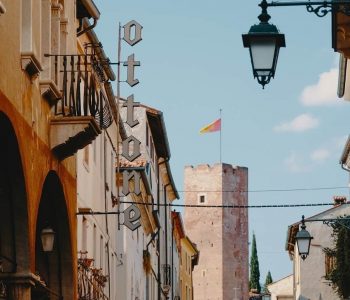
column 254, row 281
column 268, row 280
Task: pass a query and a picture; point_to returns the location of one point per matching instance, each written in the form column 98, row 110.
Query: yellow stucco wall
column 29, row 113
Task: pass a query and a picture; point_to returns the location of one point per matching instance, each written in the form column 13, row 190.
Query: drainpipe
column 92, row 26
column 158, row 275
column 106, row 209
column 344, row 167
column 166, row 235
column 166, row 223
column 172, row 258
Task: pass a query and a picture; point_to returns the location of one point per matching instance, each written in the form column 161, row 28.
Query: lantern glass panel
column 303, row 245
column 47, row 239
column 263, row 52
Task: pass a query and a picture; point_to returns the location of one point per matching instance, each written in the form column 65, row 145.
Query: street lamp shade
column 303, row 240
column 47, row 239
column 264, row 42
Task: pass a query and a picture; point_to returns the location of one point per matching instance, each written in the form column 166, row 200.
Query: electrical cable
column 270, row 190
column 233, row 206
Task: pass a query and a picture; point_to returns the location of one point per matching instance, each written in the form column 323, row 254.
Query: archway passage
column 55, row 268
column 14, row 240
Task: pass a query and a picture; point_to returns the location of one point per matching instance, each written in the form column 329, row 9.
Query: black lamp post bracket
column 319, row 8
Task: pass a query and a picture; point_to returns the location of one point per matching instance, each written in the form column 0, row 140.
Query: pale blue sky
column 193, row 63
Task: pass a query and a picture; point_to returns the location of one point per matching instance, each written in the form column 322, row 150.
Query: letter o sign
column 132, row 38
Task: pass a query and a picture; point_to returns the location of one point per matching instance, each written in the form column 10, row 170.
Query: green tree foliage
column 340, row 276
column 254, row 281
column 268, row 280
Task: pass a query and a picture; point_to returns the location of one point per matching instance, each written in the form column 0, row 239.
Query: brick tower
column 221, row 234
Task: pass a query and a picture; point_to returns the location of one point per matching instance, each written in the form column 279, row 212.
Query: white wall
column 282, row 288
column 95, row 186
column 309, row 275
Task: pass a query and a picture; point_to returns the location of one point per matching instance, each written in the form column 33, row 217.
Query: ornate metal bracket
column 342, row 221
column 319, row 8
column 320, row 11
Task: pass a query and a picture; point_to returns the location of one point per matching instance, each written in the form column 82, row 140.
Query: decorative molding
column 64, row 25
column 70, row 134
column 30, row 64
column 56, row 8
column 2, row 8
column 49, row 91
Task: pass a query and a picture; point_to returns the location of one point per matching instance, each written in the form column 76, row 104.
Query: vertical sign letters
column 131, row 146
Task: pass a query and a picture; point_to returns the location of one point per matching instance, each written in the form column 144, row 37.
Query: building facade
column 220, row 234
column 189, row 257
column 146, row 253
column 281, row 289
column 39, row 137
column 178, row 233
column 310, row 275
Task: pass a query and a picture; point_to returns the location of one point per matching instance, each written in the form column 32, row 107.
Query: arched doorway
column 14, row 241
column 55, row 268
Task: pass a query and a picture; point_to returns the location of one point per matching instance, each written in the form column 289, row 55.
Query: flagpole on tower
column 220, row 135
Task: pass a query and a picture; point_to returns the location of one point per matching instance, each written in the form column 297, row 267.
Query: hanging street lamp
column 47, row 239
column 264, row 42
column 303, row 240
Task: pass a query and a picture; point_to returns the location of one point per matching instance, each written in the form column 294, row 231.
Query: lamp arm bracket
column 319, row 8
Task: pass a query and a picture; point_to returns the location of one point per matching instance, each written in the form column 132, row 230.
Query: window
column 202, row 198
column 86, row 156
column 112, row 172
column 84, row 235
column 329, row 264
column 94, row 150
column 101, row 252
column 94, row 236
column 147, row 135
column 151, row 149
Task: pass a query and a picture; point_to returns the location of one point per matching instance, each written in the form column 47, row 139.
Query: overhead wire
column 267, row 190
column 231, row 206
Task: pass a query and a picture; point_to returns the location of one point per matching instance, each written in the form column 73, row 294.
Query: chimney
column 339, row 200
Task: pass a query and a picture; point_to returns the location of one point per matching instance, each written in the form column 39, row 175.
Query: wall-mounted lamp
column 47, row 239
column 303, row 240
column 264, row 40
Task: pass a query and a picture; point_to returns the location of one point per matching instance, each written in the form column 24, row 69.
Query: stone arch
column 54, row 268
column 14, row 233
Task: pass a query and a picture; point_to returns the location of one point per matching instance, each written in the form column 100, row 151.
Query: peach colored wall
column 29, row 113
column 221, row 235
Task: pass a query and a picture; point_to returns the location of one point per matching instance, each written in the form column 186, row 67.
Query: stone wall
column 221, row 235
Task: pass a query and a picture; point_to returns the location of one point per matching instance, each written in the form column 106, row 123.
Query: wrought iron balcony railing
column 91, row 281
column 81, row 79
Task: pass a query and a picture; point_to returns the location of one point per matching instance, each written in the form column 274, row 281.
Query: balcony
column 82, row 109
column 91, row 281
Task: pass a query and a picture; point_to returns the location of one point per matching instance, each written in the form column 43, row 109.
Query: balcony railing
column 91, row 281
column 81, row 109
column 80, row 79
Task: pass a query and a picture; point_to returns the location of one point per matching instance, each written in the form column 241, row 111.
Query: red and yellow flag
column 212, row 127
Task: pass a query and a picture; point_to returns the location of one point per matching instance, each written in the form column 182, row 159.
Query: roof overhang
column 87, row 9
column 345, row 157
column 159, row 134
column 341, row 33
